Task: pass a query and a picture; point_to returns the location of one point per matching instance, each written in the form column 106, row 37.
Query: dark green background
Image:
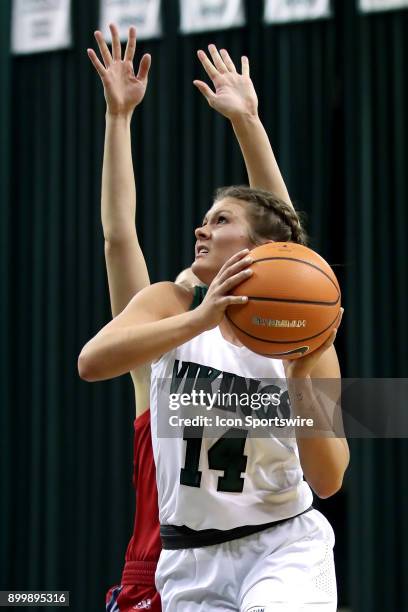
column 333, row 98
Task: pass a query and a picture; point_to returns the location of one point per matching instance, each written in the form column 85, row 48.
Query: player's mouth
column 201, row 250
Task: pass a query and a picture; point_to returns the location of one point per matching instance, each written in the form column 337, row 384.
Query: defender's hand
column 123, row 90
column 234, row 93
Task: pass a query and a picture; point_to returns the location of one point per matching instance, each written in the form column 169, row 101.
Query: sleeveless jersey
column 268, row 485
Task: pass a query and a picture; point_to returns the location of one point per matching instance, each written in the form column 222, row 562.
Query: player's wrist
column 114, row 115
column 245, row 119
column 200, row 319
column 295, row 372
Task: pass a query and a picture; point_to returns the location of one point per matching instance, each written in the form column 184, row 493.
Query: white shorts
column 287, row 568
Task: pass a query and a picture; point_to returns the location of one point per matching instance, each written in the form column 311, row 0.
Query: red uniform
column 137, row 590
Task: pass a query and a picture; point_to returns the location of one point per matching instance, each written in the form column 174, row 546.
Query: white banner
column 144, row 14
column 382, row 5
column 40, row 25
column 203, row 15
column 282, row 11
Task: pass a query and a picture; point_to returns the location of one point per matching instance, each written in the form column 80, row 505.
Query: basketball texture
column 294, row 302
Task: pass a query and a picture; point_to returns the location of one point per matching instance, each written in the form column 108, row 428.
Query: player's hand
column 123, row 89
column 235, row 270
column 304, row 366
column 234, row 94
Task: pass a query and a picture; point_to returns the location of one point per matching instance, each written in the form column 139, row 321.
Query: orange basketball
column 294, row 302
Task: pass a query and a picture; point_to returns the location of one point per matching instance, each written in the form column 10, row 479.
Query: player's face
column 223, row 233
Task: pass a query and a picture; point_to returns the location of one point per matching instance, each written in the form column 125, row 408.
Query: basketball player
column 127, row 274
column 229, row 210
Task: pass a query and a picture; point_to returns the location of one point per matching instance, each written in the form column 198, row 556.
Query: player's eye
column 222, row 219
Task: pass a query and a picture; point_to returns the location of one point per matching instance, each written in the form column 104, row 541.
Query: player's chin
column 203, row 270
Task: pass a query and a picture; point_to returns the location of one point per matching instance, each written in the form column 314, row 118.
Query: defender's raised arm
column 235, row 98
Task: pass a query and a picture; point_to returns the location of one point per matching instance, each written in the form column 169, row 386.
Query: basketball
column 293, row 302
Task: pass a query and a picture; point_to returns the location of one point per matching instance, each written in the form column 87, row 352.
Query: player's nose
column 202, row 232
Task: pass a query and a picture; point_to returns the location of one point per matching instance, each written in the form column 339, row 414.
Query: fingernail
column 244, row 298
column 248, row 271
column 248, row 260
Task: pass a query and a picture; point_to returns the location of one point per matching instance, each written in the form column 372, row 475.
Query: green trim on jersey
column 199, row 295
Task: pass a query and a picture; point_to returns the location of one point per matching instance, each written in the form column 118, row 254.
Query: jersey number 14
column 227, row 455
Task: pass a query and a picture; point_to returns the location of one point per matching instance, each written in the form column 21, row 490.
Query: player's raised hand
column 234, row 93
column 123, row 89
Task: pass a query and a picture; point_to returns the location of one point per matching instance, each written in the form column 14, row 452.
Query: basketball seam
column 307, row 263
column 291, row 301
column 282, row 341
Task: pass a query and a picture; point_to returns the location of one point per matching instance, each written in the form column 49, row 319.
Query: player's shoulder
column 167, row 295
column 166, row 299
column 188, row 295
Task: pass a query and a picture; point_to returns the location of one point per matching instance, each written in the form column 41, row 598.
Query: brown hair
column 268, row 216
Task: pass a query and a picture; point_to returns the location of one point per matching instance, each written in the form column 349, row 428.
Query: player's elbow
column 87, row 366
column 327, row 488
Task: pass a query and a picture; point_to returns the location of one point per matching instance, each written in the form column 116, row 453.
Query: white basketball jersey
column 217, row 484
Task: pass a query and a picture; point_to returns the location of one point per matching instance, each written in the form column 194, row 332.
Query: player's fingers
column 245, row 66
column 205, row 90
column 234, row 280
column 131, row 45
column 217, row 59
column 227, row 60
column 116, row 46
column 207, row 65
column 240, row 260
column 144, row 67
column 231, row 300
column 103, row 48
column 100, row 68
column 340, row 317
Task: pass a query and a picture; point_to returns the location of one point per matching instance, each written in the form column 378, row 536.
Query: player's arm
column 125, row 262
column 126, row 267
column 158, row 320
column 314, row 384
column 235, row 98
